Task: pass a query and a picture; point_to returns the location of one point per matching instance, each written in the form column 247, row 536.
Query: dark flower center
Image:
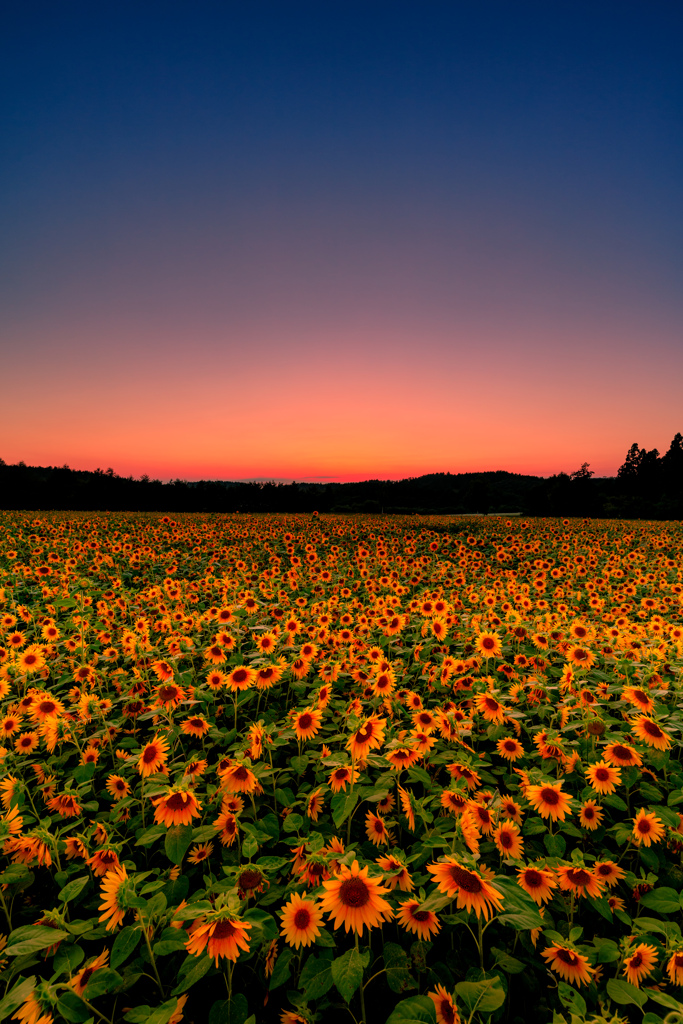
column 550, row 796
column 465, row 880
column 354, row 892
column 302, row 918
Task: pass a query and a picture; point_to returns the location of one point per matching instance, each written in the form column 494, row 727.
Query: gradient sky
column 339, row 240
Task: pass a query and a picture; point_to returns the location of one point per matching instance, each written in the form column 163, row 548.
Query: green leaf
column 166, row 946
column 102, row 982
column 414, row 1010
column 520, row 910
column 555, row 845
column 481, row 996
column 623, row 992
column 249, row 847
column 326, row 940
column 151, row 835
column 664, row 999
column 264, row 926
column 608, row 951
column 316, row 977
column 72, row 889
column 342, row 805
column 509, row 964
column 191, row 971
column 663, row 900
column 571, row 999
column 347, row 971
column 229, row 1011
column 72, row 1008
column 649, row 858
column 19, row 994
column 292, row 823
column 177, row 842
column 67, row 959
column 124, row 944
column 281, row 970
column 192, row 911
column 138, row 1015
column 32, row 937
column 162, row 1014
column 397, row 967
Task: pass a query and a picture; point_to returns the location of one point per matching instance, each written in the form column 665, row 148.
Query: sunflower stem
column 362, row 991
column 152, row 960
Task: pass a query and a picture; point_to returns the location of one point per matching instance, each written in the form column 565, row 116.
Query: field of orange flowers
column 363, row 769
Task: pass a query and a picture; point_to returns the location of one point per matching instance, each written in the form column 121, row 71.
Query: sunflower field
column 340, row 768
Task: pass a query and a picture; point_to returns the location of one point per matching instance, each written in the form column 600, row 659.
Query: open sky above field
column 339, row 240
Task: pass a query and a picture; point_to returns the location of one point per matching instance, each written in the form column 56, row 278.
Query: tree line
column 647, row 486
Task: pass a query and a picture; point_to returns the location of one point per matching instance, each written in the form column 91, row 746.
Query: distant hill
column 575, row 494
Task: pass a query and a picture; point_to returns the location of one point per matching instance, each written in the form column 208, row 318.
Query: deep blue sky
column 403, row 193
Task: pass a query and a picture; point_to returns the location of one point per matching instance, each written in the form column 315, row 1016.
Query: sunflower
column 237, row 778
column 153, row 757
column 80, row 980
column 402, row 757
column 368, row 736
column 470, row 889
column 590, row 815
column 580, row 657
column 634, row 695
column 268, row 675
column 178, row 806
column 200, row 853
column 549, row 800
column 508, row 840
column 511, row 809
column 674, row 968
column 227, row 827
column 341, row 777
column 355, row 900
column 215, row 679
column 603, row 777
column 509, row 748
column 647, row 828
column 117, row 787
column 650, row 733
column 481, row 816
column 195, row 726
column 570, row 965
column 9, row 725
column 65, row 805
column 446, row 1010
column 46, row 707
column 221, row 934
column 574, row 878
column 307, row 723
column 640, row 963
column 453, row 801
column 407, row 807
column 621, row 755
column 169, row 696
column 26, row 742
column 115, row 889
column 397, row 871
column 608, row 872
column 103, row 861
column 489, row 645
column 314, row 805
column 490, row 708
column 241, row 678
column 31, row 660
column 376, row 830
column 423, row 923
column 425, row 721
column 301, row 920
column 538, row 882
